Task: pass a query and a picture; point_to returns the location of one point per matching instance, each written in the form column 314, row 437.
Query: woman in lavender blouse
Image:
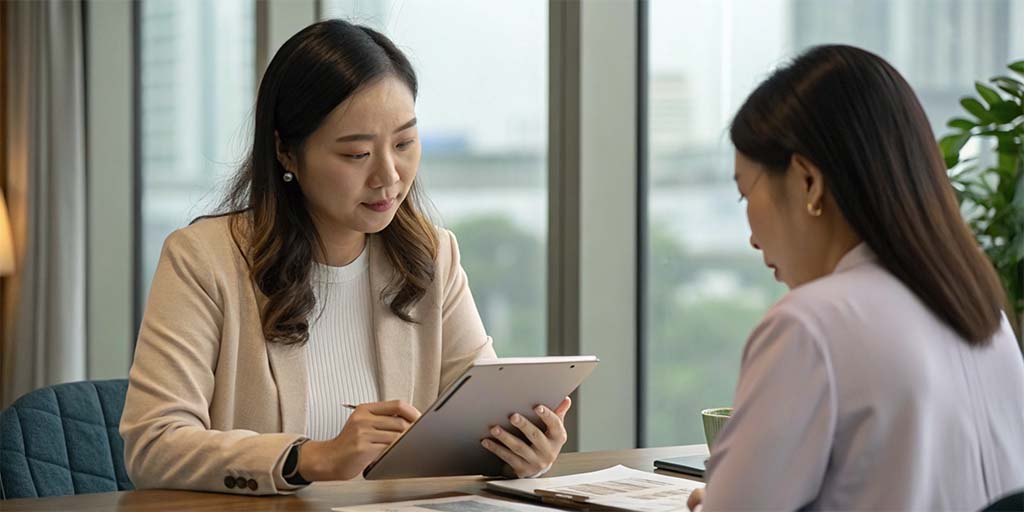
column 888, row 378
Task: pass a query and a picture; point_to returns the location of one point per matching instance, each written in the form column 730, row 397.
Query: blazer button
column 240, row 482
column 253, row 485
column 229, row 482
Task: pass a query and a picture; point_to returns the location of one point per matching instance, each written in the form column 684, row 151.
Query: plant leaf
column 1011, row 81
column 994, row 253
column 1017, row 66
column 974, row 197
column 986, row 184
column 961, row 124
column 1013, row 92
column 1013, row 252
column 1003, row 215
column 988, row 94
column 977, row 109
column 1010, row 85
column 1006, row 111
column 951, row 146
column 1007, row 144
column 996, row 230
column 1018, row 194
column 1004, row 171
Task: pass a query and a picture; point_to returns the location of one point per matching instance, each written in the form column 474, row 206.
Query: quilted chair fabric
column 63, row 440
column 1013, row 502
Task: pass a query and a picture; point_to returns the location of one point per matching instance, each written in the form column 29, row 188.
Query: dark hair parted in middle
column 854, row 117
column 313, row 72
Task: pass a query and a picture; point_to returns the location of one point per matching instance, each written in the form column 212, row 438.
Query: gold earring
column 815, row 212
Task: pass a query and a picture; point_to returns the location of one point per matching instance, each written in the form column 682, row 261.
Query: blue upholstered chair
column 1013, row 502
column 63, row 440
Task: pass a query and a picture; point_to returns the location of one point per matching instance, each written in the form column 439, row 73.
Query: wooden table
column 323, row 496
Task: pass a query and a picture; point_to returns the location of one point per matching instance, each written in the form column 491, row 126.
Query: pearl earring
column 288, row 177
column 815, row 212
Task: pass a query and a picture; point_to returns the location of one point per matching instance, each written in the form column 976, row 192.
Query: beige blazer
column 212, row 406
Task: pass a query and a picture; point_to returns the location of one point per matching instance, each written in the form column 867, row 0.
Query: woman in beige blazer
column 218, row 398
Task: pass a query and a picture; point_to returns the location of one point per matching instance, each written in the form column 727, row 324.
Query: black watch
column 291, row 467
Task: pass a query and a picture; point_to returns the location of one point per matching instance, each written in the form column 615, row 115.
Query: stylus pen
column 350, row 406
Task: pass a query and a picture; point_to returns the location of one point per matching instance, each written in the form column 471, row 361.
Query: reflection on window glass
column 482, row 111
column 707, row 287
column 197, row 87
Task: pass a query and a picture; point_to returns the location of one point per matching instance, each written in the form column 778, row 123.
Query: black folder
column 692, row 465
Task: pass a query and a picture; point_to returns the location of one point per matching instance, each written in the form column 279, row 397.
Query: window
column 482, row 111
column 197, row 90
column 707, row 287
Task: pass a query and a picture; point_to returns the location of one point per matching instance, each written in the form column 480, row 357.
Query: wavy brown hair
column 854, row 116
column 312, row 73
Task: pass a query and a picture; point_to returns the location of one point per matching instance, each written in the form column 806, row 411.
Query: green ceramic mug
column 714, row 420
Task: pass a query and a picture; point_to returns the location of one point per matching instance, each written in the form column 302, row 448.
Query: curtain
column 44, row 332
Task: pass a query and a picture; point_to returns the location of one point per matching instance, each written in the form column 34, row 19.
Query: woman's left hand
column 533, row 458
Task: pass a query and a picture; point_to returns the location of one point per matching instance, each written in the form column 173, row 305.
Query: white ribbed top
column 341, row 355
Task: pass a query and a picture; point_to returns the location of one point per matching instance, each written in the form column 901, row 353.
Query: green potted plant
column 990, row 185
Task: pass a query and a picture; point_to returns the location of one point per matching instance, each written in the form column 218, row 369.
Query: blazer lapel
column 394, row 337
column 288, row 365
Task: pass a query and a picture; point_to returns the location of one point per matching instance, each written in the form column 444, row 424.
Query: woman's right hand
column 368, row 432
column 696, row 500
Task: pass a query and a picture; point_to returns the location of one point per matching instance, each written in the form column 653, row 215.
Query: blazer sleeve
column 772, row 453
column 168, row 439
column 463, row 338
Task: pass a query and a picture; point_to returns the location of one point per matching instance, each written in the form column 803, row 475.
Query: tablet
column 445, row 441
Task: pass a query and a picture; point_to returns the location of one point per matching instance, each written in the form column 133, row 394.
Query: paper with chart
column 465, row 503
column 617, row 487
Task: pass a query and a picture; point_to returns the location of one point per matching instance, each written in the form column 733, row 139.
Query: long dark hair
column 854, row 116
column 313, row 72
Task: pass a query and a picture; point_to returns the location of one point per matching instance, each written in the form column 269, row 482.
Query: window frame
column 595, row 249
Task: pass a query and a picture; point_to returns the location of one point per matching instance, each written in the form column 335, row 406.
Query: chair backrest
column 63, row 440
column 1013, row 502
